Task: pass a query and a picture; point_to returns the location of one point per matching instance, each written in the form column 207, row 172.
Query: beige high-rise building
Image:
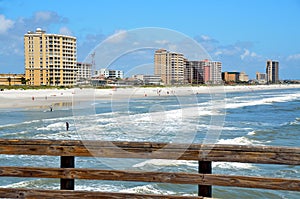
column 50, row 59
column 169, row 66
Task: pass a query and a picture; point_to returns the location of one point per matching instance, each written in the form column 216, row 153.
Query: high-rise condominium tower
column 272, row 71
column 169, row 66
column 50, row 59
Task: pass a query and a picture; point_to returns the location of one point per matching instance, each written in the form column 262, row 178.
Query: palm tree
column 23, row 80
column 9, row 81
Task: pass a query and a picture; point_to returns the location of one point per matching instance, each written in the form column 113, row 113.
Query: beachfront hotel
column 169, row 66
column 50, row 59
column 272, row 71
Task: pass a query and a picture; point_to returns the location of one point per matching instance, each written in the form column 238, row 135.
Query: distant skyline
column 242, row 34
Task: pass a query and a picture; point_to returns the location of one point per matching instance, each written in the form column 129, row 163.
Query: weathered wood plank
column 264, row 157
column 63, row 194
column 160, row 177
column 253, row 182
column 152, row 145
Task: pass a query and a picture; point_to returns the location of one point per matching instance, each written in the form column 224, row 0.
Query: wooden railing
column 205, row 154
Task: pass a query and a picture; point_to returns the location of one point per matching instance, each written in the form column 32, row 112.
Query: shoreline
column 59, row 97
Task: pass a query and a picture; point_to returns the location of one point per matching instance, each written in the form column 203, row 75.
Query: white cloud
column 230, row 50
column 205, row 38
column 119, row 36
column 293, row 57
column 5, row 24
column 217, row 53
column 240, row 50
column 12, row 34
column 43, row 16
column 65, row 31
column 162, row 42
column 247, row 53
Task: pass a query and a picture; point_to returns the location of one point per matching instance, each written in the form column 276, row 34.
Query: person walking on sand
column 67, row 126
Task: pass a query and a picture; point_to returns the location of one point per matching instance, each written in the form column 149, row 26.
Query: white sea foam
column 295, row 122
column 18, row 184
column 233, row 165
column 251, row 133
column 30, row 122
column 59, row 135
column 55, row 126
column 145, row 125
column 240, row 141
column 163, row 162
column 17, row 124
column 97, row 187
column 147, row 189
column 15, row 133
column 264, row 101
column 37, row 183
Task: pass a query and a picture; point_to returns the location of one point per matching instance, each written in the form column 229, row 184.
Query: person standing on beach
column 67, row 126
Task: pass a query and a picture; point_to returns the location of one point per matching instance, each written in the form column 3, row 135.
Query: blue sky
column 242, row 34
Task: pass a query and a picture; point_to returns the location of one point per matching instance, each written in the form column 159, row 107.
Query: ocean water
column 249, row 118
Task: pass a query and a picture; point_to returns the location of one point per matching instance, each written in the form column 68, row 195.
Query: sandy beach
column 54, row 97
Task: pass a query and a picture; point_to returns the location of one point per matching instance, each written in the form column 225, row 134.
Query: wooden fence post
column 67, row 162
column 204, row 168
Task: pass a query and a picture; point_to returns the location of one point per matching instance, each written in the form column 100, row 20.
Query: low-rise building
column 111, row 74
column 12, row 79
column 243, row 77
column 235, row 77
column 230, row 77
column 261, row 78
column 149, row 79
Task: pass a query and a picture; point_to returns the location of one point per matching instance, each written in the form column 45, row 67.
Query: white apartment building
column 113, row 74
